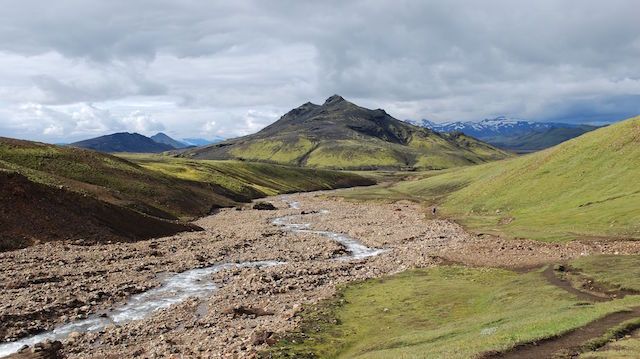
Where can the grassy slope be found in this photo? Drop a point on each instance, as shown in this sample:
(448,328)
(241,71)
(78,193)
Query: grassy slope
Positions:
(585,187)
(108,178)
(249,179)
(424,153)
(444,312)
(163,186)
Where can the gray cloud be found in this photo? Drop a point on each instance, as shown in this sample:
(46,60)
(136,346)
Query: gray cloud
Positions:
(197,67)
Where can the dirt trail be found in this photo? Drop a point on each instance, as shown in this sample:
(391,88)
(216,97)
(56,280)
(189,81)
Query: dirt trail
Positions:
(550,275)
(567,345)
(570,344)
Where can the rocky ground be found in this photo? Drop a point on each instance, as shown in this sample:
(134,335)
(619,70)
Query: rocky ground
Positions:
(49,284)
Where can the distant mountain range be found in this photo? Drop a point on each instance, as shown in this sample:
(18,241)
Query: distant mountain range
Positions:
(339,134)
(135,142)
(511,134)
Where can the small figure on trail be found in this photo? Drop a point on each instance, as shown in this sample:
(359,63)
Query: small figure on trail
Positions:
(433,211)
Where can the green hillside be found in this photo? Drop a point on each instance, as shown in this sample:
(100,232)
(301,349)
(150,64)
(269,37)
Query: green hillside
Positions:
(248,180)
(586,187)
(111,191)
(342,135)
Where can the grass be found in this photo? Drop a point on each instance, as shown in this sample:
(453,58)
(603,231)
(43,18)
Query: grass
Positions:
(586,187)
(277,151)
(162,186)
(249,179)
(442,312)
(620,272)
(627,348)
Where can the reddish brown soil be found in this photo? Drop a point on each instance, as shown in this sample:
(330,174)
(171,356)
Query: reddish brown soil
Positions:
(32,213)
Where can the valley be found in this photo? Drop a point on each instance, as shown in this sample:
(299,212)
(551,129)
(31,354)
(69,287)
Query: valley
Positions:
(457,262)
(309,268)
(319,180)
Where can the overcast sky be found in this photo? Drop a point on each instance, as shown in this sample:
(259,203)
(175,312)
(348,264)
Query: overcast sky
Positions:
(76,69)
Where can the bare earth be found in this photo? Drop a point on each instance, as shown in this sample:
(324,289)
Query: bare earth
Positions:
(49,284)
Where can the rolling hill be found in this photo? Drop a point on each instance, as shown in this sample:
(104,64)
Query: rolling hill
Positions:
(513,135)
(81,194)
(123,142)
(341,135)
(586,187)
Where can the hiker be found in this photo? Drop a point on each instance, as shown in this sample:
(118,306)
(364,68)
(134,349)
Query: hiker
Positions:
(433,211)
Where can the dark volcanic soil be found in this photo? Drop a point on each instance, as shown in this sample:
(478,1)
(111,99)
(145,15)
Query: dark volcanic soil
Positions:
(31,213)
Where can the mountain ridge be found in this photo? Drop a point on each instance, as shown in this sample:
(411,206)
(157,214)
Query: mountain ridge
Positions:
(512,134)
(342,135)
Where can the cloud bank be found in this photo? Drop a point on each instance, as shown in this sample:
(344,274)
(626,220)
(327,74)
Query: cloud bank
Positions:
(73,69)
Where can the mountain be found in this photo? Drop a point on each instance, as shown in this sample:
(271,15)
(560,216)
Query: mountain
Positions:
(339,134)
(50,192)
(123,142)
(163,138)
(584,188)
(201,141)
(510,134)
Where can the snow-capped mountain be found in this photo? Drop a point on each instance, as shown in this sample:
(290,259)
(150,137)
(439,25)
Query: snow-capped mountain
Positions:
(514,134)
(490,127)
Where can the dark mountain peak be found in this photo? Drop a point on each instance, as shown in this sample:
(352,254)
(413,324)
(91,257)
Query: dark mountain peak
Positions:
(302,109)
(335,99)
(123,142)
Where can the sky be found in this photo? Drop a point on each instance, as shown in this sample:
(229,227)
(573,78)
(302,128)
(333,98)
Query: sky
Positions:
(74,69)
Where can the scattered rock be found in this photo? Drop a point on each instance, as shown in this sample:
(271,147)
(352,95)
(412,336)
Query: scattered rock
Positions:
(264,206)
(242,310)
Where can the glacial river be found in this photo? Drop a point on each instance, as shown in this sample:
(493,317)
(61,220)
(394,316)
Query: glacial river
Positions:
(178,287)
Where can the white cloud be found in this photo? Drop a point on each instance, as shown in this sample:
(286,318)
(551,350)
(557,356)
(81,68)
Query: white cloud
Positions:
(230,68)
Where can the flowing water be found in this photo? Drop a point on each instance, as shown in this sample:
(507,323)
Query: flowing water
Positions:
(179,287)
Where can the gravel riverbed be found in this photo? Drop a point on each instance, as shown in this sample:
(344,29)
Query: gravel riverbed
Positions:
(50,284)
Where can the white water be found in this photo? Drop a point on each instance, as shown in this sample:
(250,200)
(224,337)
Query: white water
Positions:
(356,249)
(179,287)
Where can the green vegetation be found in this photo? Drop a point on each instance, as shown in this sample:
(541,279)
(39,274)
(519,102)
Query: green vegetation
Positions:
(341,135)
(585,187)
(248,179)
(627,348)
(619,272)
(162,186)
(277,151)
(356,154)
(443,312)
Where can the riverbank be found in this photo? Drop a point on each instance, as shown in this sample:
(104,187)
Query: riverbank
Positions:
(50,284)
